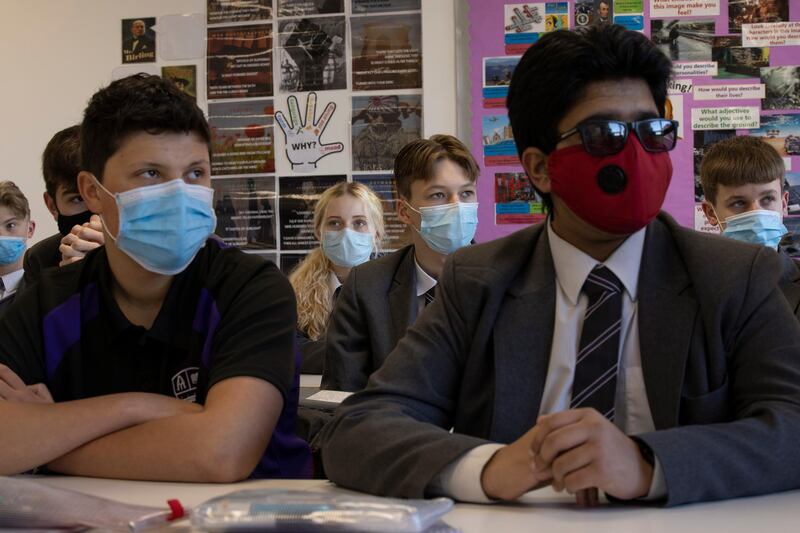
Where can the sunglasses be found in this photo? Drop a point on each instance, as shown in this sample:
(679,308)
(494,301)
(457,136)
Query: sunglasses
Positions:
(608,137)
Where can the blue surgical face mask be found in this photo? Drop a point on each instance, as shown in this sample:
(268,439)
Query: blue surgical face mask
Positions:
(760,226)
(11,249)
(347,248)
(162,227)
(446,228)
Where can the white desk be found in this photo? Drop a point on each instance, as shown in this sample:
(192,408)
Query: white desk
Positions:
(546,512)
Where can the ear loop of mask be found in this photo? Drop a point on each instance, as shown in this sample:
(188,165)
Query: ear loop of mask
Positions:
(102,219)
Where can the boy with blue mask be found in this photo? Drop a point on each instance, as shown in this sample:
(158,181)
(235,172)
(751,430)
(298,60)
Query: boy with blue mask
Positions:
(745,195)
(161,355)
(16,227)
(435,182)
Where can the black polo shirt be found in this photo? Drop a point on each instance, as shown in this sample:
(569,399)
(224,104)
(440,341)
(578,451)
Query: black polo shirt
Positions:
(227,314)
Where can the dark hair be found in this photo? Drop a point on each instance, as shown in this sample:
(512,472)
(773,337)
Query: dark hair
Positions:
(137,103)
(739,161)
(417,161)
(61,161)
(553,74)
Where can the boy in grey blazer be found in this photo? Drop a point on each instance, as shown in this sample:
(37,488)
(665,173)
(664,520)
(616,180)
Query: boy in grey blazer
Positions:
(485,398)
(382,298)
(744,178)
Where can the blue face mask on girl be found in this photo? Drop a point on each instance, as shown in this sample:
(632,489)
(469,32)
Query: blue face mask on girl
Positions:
(760,226)
(347,248)
(446,228)
(162,227)
(11,249)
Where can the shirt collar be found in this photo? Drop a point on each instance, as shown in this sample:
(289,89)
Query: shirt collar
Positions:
(11,281)
(572,265)
(424,281)
(333,282)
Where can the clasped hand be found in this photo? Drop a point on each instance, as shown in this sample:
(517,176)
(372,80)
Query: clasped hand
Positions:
(579,451)
(13,389)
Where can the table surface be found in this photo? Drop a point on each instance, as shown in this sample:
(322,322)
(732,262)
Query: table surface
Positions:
(543,510)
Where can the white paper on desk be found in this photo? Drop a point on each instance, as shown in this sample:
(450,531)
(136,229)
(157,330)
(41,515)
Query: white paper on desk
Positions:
(329,396)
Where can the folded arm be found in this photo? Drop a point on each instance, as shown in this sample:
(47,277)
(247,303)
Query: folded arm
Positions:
(36,431)
(223,442)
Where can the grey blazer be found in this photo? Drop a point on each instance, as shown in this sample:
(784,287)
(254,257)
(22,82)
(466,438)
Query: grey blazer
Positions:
(720,357)
(790,282)
(376,305)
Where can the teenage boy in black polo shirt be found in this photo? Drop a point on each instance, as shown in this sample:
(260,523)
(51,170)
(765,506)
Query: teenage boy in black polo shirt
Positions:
(169,357)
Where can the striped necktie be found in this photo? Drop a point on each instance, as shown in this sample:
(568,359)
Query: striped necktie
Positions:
(430,296)
(595,383)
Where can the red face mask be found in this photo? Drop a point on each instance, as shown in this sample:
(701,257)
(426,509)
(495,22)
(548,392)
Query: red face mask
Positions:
(620,193)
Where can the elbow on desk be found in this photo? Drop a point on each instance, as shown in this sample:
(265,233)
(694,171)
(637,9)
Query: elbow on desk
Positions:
(216,465)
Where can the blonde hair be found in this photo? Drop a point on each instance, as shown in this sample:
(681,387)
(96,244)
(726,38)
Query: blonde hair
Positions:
(310,277)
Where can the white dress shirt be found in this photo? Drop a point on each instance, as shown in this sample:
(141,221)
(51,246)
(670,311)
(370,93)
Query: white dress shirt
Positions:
(461,478)
(333,284)
(424,283)
(10,283)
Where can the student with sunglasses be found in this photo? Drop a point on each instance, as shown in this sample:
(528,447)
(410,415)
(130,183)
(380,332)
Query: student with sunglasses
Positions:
(606,349)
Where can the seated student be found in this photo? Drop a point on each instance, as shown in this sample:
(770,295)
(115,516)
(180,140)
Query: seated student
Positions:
(60,167)
(348,222)
(16,227)
(674,376)
(169,356)
(435,182)
(743,184)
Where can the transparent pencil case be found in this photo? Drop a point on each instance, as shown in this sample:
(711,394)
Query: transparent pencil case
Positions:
(29,504)
(294,510)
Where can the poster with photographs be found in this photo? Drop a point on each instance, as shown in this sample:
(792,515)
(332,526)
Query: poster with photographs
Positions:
(222,11)
(498,141)
(184,76)
(755,11)
(703,141)
(497,73)
(782,132)
(361,7)
(524,22)
(242,137)
(782,85)
(387,52)
(593,12)
(245,209)
(301,8)
(684,40)
(239,62)
(298,195)
(138,40)
(289,262)
(312,54)
(515,200)
(383,186)
(793,188)
(735,61)
(381,126)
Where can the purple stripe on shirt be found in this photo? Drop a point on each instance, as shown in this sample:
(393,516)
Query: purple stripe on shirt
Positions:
(61,327)
(206,321)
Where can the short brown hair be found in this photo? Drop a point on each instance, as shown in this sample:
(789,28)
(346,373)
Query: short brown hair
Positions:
(417,161)
(12,198)
(739,161)
(61,161)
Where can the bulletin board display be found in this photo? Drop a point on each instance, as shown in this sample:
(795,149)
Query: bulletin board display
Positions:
(736,72)
(300,95)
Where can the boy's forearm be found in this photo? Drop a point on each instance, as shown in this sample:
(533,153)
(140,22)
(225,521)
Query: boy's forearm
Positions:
(222,443)
(34,434)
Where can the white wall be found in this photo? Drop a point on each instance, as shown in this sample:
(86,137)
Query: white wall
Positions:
(54,54)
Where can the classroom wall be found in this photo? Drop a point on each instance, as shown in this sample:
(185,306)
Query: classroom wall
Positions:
(54,54)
